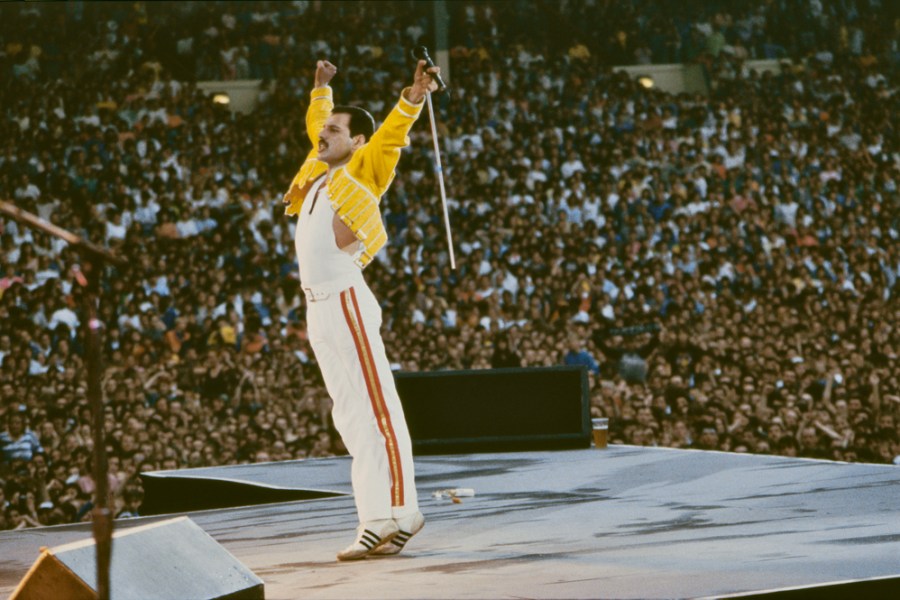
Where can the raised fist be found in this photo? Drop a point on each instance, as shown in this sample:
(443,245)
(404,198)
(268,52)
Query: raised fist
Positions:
(325,71)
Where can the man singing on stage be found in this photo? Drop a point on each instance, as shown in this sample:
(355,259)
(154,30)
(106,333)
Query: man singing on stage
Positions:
(339,230)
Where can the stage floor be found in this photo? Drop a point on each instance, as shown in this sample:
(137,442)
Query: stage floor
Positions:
(624,522)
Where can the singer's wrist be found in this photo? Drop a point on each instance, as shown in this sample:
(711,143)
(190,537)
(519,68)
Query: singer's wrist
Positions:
(414,95)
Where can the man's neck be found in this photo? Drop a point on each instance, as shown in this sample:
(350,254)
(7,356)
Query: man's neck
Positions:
(334,167)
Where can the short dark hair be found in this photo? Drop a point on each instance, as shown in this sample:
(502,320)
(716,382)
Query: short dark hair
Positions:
(361,121)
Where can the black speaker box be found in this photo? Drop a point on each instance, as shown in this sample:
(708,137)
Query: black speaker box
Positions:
(496,410)
(169,560)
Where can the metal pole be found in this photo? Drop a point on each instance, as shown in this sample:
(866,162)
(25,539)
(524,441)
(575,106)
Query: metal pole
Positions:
(102,519)
(94,259)
(441,45)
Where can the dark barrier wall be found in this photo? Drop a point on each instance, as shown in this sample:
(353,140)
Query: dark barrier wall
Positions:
(496,410)
(165,495)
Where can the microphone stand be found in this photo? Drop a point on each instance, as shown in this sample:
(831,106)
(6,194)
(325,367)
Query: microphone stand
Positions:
(439,170)
(421,53)
(89,279)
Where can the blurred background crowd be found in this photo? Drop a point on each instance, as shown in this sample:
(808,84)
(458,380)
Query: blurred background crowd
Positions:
(726,266)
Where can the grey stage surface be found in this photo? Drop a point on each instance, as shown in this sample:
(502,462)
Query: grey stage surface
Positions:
(624,522)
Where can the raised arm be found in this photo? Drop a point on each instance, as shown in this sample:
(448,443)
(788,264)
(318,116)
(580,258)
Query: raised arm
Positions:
(377,161)
(875,396)
(320,103)
(320,107)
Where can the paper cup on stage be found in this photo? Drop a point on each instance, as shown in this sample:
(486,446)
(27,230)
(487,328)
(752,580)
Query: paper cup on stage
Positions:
(601,429)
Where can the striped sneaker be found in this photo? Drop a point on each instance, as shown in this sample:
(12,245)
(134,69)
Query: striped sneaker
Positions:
(370,535)
(409,526)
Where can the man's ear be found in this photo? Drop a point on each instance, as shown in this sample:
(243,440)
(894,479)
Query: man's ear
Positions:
(359,141)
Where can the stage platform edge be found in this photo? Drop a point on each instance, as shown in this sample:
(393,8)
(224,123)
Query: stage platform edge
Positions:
(624,522)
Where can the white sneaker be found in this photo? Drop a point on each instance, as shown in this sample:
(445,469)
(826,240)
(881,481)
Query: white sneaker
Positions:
(408,527)
(369,536)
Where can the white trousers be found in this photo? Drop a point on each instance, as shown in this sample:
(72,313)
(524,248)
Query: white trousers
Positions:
(344,331)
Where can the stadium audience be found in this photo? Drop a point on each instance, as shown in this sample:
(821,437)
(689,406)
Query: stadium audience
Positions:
(757,227)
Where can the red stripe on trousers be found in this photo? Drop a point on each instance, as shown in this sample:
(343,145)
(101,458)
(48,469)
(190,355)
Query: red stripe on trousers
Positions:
(376,396)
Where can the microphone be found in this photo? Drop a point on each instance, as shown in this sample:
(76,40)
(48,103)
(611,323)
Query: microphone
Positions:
(421,53)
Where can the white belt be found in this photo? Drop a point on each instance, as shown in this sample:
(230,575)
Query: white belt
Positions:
(322,291)
(315,295)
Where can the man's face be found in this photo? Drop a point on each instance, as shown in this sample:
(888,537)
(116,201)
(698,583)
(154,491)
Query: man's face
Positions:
(335,144)
(808,437)
(16,426)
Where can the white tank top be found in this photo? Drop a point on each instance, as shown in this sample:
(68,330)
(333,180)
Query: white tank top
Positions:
(320,260)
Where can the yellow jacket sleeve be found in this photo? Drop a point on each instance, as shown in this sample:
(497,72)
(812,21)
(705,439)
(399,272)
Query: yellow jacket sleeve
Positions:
(375,163)
(320,106)
(321,103)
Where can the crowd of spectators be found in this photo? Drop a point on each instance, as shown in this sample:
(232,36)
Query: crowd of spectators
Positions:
(725,266)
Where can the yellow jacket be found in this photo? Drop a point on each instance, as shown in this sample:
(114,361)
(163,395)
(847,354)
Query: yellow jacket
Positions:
(355,189)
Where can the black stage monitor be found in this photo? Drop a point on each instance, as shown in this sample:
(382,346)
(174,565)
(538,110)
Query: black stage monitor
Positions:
(496,410)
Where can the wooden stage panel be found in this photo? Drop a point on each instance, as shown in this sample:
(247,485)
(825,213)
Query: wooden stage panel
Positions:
(624,522)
